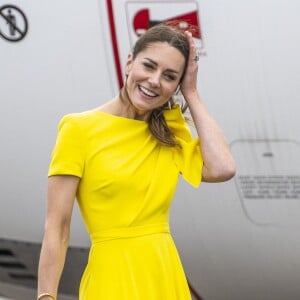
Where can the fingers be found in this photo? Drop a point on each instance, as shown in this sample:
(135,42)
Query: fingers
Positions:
(194,54)
(189,83)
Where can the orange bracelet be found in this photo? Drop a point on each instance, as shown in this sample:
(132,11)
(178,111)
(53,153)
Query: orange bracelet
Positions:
(45,295)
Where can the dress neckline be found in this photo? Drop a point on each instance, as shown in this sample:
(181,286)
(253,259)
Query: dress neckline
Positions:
(170,115)
(120,117)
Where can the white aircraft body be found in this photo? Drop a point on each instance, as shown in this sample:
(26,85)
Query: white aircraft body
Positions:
(238,239)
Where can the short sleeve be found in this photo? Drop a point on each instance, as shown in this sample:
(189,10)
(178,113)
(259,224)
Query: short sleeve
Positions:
(68,154)
(187,156)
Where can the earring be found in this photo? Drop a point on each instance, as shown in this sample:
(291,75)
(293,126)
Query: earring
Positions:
(177,90)
(126,77)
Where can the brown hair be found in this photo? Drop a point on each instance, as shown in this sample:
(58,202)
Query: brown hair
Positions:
(175,38)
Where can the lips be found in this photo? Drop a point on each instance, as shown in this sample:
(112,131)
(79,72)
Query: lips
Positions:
(147,92)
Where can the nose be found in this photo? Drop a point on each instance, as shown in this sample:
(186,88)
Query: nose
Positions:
(154,79)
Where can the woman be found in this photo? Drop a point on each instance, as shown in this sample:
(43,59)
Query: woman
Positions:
(122,162)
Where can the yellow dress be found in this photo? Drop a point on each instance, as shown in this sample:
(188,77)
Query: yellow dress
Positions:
(128,180)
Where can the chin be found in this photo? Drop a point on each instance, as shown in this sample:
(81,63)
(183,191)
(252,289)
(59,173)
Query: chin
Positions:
(142,105)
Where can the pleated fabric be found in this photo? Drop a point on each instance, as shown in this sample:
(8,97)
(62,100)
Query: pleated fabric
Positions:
(127,184)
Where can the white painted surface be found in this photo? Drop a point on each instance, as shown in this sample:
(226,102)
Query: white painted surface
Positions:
(250,83)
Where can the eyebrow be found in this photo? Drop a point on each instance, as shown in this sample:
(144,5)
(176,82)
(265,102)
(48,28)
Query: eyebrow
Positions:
(155,63)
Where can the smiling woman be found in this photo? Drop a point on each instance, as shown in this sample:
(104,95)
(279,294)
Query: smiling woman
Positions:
(162,56)
(153,77)
(122,162)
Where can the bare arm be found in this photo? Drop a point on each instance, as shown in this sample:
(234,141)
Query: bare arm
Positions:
(218,161)
(61,196)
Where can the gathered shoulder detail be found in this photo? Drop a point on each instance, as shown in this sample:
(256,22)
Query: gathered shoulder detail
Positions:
(187,155)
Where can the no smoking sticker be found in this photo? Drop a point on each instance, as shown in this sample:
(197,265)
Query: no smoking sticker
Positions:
(13,23)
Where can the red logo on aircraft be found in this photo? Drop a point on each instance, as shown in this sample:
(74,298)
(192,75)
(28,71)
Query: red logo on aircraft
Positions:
(188,21)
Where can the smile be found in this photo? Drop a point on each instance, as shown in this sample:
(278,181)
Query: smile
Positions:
(147,92)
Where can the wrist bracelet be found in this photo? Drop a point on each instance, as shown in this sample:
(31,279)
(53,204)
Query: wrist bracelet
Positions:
(45,295)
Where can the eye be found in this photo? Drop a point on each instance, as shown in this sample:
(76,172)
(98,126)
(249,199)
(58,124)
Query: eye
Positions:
(148,65)
(170,77)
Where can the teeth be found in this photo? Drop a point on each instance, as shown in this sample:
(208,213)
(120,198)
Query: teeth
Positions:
(147,92)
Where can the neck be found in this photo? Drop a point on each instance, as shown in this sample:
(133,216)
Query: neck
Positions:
(125,108)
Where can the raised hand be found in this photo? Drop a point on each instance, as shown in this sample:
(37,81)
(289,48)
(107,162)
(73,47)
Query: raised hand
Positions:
(189,82)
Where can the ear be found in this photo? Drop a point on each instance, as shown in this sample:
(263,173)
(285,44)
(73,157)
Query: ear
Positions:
(129,63)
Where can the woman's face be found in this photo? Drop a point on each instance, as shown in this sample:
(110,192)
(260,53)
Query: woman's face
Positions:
(153,76)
